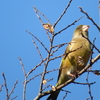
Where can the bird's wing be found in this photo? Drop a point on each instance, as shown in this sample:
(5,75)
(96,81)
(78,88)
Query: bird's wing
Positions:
(61,64)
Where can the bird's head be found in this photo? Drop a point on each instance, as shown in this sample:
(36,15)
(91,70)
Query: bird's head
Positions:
(81,29)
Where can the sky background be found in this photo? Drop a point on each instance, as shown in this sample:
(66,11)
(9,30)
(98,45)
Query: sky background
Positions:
(16,16)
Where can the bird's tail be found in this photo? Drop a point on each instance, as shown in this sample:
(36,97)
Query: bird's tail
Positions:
(53,95)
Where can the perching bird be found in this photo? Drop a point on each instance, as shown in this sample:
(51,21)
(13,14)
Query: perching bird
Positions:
(75,59)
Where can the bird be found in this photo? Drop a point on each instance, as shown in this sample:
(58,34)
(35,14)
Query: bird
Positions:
(75,58)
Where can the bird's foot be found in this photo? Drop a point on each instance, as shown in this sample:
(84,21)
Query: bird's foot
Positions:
(72,75)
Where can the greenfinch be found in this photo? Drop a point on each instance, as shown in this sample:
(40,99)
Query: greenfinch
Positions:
(75,57)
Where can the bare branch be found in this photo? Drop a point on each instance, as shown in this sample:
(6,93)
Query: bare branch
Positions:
(36,66)
(48,35)
(65,54)
(12,91)
(60,45)
(38,40)
(89,87)
(25,76)
(37,48)
(46,87)
(93,71)
(46,64)
(62,13)
(91,44)
(24,88)
(89,18)
(5,84)
(92,48)
(1,87)
(14,98)
(41,74)
(36,10)
(57,47)
(24,72)
(84,83)
(68,26)
(66,92)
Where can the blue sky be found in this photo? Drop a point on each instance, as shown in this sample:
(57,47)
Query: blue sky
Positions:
(16,16)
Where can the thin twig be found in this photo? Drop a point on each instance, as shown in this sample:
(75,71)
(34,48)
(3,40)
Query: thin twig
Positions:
(24,88)
(5,84)
(46,64)
(1,87)
(57,47)
(89,87)
(22,65)
(68,26)
(25,76)
(65,54)
(92,50)
(65,96)
(89,18)
(93,71)
(38,40)
(41,74)
(91,44)
(66,92)
(46,87)
(37,48)
(36,66)
(36,10)
(62,13)
(48,35)
(12,91)
(14,98)
(60,45)
(84,83)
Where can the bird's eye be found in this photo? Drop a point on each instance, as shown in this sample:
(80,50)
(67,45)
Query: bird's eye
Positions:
(78,28)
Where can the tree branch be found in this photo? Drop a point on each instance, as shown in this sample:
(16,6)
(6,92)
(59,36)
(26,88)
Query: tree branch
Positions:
(62,13)
(68,26)
(89,18)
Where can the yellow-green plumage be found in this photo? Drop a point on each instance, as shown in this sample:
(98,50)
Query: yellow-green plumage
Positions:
(76,57)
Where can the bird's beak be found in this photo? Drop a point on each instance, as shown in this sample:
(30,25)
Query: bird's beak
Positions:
(85,28)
